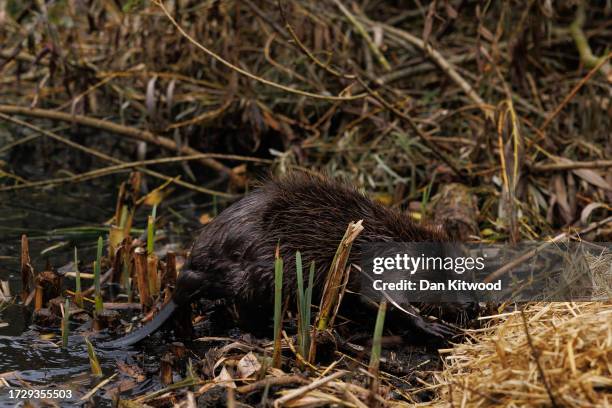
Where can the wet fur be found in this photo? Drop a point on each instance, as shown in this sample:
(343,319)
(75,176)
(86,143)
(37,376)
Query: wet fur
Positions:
(233,256)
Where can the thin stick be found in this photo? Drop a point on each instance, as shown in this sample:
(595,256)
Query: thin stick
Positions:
(573,92)
(97,387)
(536,356)
(303,390)
(111,159)
(116,128)
(124,166)
(531,253)
(571,165)
(270,381)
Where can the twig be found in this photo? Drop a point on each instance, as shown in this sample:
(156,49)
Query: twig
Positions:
(206,116)
(111,159)
(247,73)
(187,382)
(291,395)
(536,356)
(23,140)
(123,166)
(134,133)
(97,387)
(533,252)
(573,92)
(571,165)
(586,55)
(271,381)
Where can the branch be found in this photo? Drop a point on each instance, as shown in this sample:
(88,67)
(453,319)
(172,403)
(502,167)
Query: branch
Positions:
(131,132)
(111,159)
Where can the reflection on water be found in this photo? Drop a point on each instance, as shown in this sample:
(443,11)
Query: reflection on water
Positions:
(42,364)
(51,219)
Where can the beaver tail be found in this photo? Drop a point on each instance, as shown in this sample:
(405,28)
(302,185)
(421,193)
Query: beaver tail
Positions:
(146,330)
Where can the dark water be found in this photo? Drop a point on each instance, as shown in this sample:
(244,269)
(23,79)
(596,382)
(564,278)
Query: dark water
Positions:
(53,221)
(56,221)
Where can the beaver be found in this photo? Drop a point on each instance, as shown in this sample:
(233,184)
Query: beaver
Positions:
(233,256)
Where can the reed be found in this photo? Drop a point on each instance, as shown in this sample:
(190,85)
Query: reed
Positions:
(97,290)
(278,293)
(140,266)
(94,363)
(27,271)
(374,365)
(152,261)
(78,294)
(304,305)
(66,323)
(151,231)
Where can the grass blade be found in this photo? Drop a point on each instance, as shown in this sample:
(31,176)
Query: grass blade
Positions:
(278,293)
(94,363)
(66,323)
(376,350)
(302,322)
(78,295)
(98,292)
(151,231)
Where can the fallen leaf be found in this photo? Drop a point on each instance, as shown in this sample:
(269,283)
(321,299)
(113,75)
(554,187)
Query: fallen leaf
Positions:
(225,379)
(248,365)
(593,178)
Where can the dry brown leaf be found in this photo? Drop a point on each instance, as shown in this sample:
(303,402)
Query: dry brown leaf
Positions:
(590,176)
(225,379)
(248,365)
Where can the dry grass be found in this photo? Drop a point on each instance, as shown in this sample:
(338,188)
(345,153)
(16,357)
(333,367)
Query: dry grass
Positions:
(559,352)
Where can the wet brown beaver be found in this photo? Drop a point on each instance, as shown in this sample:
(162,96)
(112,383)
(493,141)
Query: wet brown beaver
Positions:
(233,256)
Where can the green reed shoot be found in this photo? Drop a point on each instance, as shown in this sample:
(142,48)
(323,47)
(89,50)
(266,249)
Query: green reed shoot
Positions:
(124,216)
(278,293)
(427,193)
(215,206)
(66,323)
(308,300)
(98,292)
(78,295)
(377,341)
(94,363)
(302,325)
(304,304)
(151,230)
